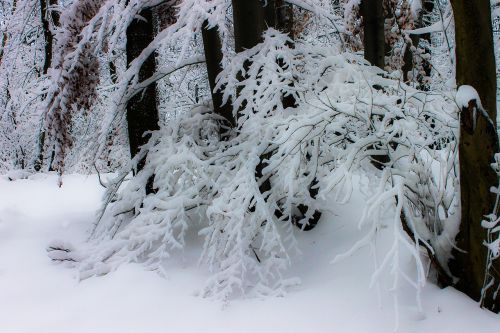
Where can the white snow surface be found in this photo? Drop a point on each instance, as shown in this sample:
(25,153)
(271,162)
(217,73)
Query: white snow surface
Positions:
(38,296)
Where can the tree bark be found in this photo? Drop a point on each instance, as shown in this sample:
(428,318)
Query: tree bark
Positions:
(47,63)
(213,57)
(248,20)
(4,37)
(372,12)
(279,15)
(47,33)
(284,17)
(142,112)
(475,66)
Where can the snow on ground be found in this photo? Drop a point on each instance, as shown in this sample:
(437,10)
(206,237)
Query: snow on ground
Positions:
(38,296)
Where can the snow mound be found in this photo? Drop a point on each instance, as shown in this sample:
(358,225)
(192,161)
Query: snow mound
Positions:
(465,94)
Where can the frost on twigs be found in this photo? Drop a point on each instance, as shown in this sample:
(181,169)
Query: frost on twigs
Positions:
(92,34)
(74,75)
(492,224)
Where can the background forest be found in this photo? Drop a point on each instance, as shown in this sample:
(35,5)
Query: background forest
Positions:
(245,124)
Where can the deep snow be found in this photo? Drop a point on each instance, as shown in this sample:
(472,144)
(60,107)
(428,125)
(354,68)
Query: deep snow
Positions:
(38,296)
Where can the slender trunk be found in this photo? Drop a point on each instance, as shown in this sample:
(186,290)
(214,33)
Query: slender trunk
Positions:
(270,17)
(213,58)
(279,15)
(372,12)
(142,112)
(47,33)
(47,63)
(284,17)
(2,44)
(475,66)
(248,18)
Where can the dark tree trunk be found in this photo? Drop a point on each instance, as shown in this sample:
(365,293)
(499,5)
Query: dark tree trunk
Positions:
(475,66)
(372,12)
(270,14)
(142,112)
(2,44)
(47,62)
(248,20)
(47,33)
(279,15)
(284,17)
(213,58)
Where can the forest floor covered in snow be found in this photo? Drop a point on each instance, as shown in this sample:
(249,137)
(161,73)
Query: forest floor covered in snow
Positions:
(38,296)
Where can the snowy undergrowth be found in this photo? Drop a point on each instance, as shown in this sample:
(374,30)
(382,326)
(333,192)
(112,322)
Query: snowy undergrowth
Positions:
(348,113)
